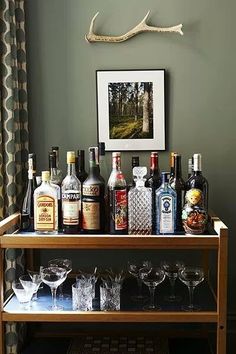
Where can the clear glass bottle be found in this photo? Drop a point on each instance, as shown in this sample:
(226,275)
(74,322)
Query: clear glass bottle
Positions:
(45,207)
(59,172)
(117,197)
(71,198)
(140,205)
(27,211)
(165,207)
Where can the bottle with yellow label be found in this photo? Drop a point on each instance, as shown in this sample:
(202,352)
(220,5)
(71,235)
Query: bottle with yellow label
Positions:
(45,207)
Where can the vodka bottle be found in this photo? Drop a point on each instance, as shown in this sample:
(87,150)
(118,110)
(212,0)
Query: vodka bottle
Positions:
(140,205)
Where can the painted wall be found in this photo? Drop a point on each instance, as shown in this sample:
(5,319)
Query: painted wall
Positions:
(201,82)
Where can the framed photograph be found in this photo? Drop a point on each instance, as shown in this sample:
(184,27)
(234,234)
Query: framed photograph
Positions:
(131,109)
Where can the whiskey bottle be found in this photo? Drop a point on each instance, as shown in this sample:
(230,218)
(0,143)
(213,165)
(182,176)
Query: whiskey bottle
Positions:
(71,196)
(80,167)
(93,203)
(45,206)
(58,171)
(197,180)
(165,207)
(154,182)
(27,219)
(117,198)
(140,205)
(177,183)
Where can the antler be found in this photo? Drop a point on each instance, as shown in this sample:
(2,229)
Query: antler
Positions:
(141,27)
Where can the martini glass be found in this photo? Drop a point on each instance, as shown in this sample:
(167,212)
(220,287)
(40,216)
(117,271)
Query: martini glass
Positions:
(191,277)
(53,277)
(23,294)
(67,265)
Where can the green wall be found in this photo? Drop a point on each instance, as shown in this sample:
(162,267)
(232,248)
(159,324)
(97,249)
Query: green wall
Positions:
(201,81)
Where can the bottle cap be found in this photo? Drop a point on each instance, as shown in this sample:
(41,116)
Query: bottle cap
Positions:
(139,173)
(135,161)
(70,157)
(116,154)
(154,153)
(32,162)
(102,148)
(55,148)
(45,176)
(197,162)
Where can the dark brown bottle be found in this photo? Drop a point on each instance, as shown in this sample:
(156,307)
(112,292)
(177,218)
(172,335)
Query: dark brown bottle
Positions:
(197,180)
(93,203)
(117,198)
(154,182)
(172,154)
(134,163)
(55,181)
(178,184)
(80,167)
(27,222)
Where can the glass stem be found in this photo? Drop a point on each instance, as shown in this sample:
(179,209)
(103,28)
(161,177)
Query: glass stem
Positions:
(54,298)
(191,290)
(139,281)
(152,294)
(61,291)
(172,288)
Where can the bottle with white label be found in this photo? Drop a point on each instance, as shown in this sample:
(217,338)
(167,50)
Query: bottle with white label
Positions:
(71,194)
(45,207)
(165,207)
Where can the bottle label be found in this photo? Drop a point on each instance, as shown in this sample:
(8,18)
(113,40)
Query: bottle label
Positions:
(70,207)
(91,215)
(45,213)
(120,209)
(92,190)
(167,215)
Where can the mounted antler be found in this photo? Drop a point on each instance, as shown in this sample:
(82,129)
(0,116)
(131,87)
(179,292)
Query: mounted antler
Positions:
(141,27)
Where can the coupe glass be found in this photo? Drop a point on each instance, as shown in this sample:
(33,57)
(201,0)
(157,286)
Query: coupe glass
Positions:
(53,277)
(36,278)
(192,277)
(171,270)
(133,269)
(67,265)
(23,294)
(152,278)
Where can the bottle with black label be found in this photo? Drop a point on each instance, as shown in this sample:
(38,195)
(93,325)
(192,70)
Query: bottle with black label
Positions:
(27,220)
(93,203)
(118,199)
(71,194)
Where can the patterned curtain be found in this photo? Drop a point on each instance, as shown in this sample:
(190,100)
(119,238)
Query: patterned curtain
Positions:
(13,135)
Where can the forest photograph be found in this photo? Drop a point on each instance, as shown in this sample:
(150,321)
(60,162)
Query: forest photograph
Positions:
(130,110)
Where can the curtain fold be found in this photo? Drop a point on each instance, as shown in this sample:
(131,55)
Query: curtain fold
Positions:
(13,136)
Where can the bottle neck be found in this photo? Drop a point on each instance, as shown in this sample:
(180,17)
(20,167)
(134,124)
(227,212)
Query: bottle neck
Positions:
(71,169)
(81,164)
(197,164)
(116,163)
(177,167)
(94,168)
(154,168)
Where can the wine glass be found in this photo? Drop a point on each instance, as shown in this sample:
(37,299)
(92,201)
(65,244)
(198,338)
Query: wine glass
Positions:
(37,279)
(53,277)
(67,265)
(171,271)
(152,278)
(192,277)
(28,284)
(133,269)
(24,295)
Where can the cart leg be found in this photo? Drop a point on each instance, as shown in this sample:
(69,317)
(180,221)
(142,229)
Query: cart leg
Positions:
(222,292)
(2,327)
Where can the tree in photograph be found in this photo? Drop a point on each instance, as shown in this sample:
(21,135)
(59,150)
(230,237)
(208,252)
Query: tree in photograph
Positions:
(146,118)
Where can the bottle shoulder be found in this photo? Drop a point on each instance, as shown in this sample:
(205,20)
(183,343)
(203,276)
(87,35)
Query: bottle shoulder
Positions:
(70,182)
(46,189)
(116,179)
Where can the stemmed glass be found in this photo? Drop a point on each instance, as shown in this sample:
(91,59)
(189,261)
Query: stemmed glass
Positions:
(36,279)
(28,284)
(152,278)
(133,269)
(192,277)
(23,294)
(67,265)
(171,271)
(53,277)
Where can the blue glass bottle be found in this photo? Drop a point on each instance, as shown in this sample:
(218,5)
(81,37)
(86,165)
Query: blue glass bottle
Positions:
(165,207)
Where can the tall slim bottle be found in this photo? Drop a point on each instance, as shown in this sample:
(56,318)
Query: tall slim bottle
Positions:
(172,154)
(71,198)
(134,163)
(93,203)
(190,167)
(118,199)
(197,180)
(58,171)
(27,217)
(56,183)
(154,182)
(177,183)
(80,167)
(165,207)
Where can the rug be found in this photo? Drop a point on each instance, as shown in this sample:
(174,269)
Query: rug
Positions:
(119,345)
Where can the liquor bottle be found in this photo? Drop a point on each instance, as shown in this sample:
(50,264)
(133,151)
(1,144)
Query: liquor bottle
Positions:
(55,182)
(27,220)
(140,205)
(197,180)
(45,206)
(71,198)
(93,203)
(165,207)
(154,182)
(80,167)
(134,163)
(118,199)
(172,154)
(102,161)
(190,167)
(59,172)
(177,183)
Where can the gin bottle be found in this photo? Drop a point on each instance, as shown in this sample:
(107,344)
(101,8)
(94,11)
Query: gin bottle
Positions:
(165,207)
(140,205)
